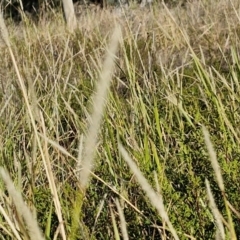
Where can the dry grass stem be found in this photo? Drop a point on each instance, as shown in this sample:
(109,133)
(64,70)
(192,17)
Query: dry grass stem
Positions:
(50,175)
(156,199)
(31,223)
(10,223)
(33,122)
(213,159)
(99,101)
(215,211)
(122,220)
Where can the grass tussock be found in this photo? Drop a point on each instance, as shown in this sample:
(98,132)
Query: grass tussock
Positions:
(77,109)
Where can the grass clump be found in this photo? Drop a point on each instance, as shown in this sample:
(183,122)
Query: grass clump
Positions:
(174,75)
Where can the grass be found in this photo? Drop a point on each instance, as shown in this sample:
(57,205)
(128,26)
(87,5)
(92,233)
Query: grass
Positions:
(129,133)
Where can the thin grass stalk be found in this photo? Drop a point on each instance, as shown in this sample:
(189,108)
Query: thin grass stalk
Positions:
(237,213)
(213,159)
(10,223)
(86,159)
(100,208)
(31,223)
(218,175)
(115,229)
(51,178)
(122,221)
(4,229)
(156,199)
(4,34)
(99,101)
(215,211)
